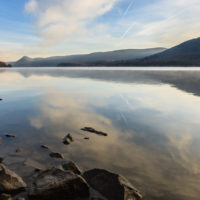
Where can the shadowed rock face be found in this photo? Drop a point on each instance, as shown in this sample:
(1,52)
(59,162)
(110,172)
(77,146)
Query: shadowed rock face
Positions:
(56,184)
(9,181)
(112,186)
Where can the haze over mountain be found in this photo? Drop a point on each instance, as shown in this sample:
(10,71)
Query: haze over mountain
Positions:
(110,56)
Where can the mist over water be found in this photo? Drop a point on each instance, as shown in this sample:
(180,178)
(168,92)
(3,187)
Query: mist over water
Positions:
(151,117)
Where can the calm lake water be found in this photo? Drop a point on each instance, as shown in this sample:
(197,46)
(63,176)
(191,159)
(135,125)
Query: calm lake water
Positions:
(152,119)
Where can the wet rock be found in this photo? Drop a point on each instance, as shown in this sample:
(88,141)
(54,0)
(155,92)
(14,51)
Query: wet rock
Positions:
(44,147)
(56,155)
(71,166)
(1,99)
(57,184)
(1,159)
(10,136)
(92,130)
(68,139)
(10,182)
(18,150)
(110,185)
(5,196)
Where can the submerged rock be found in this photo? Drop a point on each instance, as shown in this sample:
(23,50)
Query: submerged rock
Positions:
(92,130)
(68,139)
(57,184)
(1,159)
(71,166)
(18,150)
(56,155)
(44,147)
(10,181)
(110,185)
(10,136)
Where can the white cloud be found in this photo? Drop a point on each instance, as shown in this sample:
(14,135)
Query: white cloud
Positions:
(59,19)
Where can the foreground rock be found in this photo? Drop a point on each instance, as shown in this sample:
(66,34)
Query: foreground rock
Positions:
(57,184)
(92,130)
(67,139)
(110,185)
(9,181)
(71,166)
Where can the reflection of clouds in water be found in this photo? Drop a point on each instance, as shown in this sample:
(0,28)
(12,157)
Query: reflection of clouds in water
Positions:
(144,148)
(153,129)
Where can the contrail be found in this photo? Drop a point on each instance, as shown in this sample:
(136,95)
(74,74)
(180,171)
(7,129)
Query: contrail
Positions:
(131,26)
(128,8)
(126,32)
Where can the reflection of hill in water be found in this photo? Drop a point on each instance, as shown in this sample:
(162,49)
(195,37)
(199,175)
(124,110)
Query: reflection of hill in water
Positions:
(187,81)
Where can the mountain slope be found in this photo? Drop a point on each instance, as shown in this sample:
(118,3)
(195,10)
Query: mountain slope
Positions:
(118,55)
(185,54)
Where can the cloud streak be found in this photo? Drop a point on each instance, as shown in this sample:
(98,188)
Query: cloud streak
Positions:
(58,19)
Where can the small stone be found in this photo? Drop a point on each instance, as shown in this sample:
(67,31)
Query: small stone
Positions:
(5,196)
(1,99)
(68,139)
(1,159)
(56,155)
(92,130)
(0,140)
(10,136)
(71,166)
(44,147)
(86,138)
(18,150)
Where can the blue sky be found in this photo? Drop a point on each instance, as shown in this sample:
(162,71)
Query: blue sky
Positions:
(41,28)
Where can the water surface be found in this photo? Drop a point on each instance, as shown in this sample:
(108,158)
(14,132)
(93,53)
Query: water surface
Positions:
(152,119)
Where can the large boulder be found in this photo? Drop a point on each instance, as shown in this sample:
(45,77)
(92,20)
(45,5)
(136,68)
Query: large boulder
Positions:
(110,185)
(10,181)
(55,184)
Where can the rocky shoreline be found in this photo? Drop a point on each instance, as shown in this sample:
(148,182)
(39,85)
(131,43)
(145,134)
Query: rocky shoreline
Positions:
(66,182)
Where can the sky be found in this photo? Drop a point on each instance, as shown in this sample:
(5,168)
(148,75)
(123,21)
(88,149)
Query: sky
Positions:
(42,28)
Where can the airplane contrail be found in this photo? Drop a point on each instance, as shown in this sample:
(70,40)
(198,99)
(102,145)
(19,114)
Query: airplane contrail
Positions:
(128,8)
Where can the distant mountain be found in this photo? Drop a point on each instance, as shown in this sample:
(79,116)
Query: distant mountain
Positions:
(88,59)
(185,54)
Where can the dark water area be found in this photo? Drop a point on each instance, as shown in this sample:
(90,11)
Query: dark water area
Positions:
(152,118)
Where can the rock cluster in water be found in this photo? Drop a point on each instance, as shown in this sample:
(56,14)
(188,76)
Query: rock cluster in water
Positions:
(67,182)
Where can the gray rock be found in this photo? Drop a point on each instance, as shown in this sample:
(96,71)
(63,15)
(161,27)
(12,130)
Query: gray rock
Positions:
(10,181)
(56,155)
(10,136)
(67,139)
(57,184)
(71,166)
(110,185)
(44,147)
(5,196)
(92,130)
